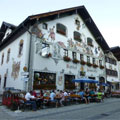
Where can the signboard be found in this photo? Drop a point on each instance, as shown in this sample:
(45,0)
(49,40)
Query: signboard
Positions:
(24,73)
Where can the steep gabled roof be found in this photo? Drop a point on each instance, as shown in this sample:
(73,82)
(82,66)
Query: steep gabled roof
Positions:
(4,27)
(81,10)
(116,51)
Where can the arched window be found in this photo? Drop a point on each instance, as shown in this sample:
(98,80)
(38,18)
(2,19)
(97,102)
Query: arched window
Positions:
(77,36)
(2,60)
(61,29)
(90,42)
(21,47)
(8,55)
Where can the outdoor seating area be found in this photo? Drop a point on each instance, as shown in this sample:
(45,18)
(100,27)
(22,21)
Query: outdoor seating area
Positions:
(15,99)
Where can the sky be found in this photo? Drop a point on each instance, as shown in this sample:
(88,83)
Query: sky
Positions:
(105,13)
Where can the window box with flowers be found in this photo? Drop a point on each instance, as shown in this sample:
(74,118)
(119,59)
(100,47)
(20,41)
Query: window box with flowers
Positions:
(82,62)
(95,66)
(89,64)
(75,61)
(66,58)
(101,67)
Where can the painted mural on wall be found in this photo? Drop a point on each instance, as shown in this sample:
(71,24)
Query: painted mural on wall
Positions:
(56,50)
(51,34)
(60,80)
(35,30)
(38,44)
(15,69)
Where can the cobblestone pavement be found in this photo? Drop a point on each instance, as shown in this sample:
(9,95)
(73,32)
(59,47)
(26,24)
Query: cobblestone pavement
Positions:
(107,110)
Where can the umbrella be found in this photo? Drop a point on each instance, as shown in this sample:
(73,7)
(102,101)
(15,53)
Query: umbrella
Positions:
(103,84)
(85,80)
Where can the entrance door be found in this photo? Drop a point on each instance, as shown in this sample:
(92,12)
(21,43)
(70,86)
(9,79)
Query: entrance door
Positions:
(68,81)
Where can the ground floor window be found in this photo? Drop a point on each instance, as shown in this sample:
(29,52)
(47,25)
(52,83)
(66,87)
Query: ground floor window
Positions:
(117,86)
(44,80)
(68,81)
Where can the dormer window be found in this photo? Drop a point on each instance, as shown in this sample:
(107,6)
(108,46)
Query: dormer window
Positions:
(89,42)
(20,47)
(77,36)
(61,29)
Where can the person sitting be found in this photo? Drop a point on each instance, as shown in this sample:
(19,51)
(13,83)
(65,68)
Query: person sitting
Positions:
(99,96)
(92,94)
(30,99)
(87,95)
(81,93)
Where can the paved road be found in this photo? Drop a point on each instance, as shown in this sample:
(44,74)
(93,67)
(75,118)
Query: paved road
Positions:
(107,110)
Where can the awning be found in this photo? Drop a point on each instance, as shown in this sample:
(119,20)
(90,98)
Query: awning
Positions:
(85,80)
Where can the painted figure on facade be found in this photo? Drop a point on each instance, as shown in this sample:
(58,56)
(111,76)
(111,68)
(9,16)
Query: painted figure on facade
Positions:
(52,33)
(35,30)
(15,69)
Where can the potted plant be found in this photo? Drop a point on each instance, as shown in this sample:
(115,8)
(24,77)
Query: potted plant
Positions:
(66,58)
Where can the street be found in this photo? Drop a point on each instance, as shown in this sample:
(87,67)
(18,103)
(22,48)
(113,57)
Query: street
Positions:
(107,110)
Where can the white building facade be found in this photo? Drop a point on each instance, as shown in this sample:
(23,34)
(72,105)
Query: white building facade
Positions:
(47,51)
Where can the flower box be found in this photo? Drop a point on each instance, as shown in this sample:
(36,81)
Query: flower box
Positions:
(75,61)
(66,58)
(89,64)
(49,55)
(82,62)
(94,65)
(101,67)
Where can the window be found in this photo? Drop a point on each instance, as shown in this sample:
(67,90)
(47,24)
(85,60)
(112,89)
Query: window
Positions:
(111,72)
(89,42)
(5,80)
(77,36)
(2,59)
(65,52)
(74,55)
(8,55)
(44,26)
(61,29)
(45,49)
(21,47)
(81,57)
(68,81)
(100,62)
(88,59)
(94,61)
(44,80)
(0,80)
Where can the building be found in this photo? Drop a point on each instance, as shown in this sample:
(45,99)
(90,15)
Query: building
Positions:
(47,51)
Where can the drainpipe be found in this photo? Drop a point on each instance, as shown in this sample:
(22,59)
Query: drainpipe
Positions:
(28,85)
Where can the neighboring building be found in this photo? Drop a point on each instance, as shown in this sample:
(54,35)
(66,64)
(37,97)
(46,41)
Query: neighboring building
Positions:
(52,49)
(116,51)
